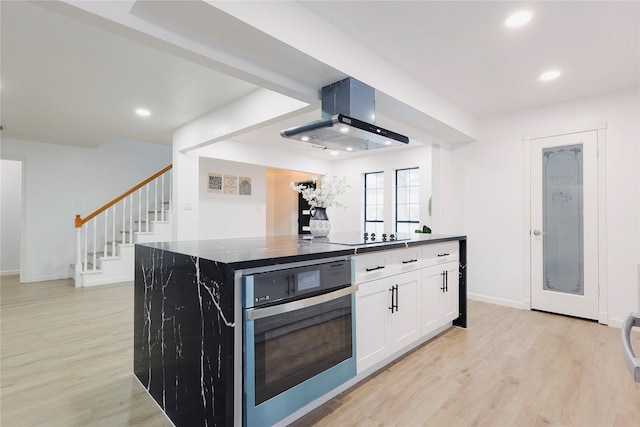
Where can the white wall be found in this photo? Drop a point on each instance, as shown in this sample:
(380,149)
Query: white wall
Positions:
(224,216)
(491,197)
(10,215)
(387,161)
(186,176)
(220,216)
(61,181)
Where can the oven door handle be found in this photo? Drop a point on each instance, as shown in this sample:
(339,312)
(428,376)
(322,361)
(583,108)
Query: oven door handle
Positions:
(259,313)
(633,362)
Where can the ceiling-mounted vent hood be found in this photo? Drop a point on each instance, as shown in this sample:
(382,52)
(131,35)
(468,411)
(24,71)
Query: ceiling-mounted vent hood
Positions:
(348,114)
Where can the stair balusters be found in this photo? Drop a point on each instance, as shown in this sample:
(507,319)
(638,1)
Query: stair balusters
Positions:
(87,241)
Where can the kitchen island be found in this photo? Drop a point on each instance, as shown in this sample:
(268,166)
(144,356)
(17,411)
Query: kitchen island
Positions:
(188,314)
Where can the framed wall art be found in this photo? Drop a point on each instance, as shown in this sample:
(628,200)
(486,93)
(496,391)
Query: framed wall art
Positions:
(244,186)
(230,184)
(215,183)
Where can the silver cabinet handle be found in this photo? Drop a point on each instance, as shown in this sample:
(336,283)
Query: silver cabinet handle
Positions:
(633,362)
(538,233)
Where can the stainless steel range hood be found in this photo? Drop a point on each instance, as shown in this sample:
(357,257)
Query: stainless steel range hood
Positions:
(348,114)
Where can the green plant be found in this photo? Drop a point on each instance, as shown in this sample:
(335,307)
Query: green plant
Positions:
(425,230)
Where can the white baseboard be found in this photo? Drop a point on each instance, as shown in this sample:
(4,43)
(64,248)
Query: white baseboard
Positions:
(616,323)
(498,301)
(46,278)
(613,322)
(9,272)
(108,281)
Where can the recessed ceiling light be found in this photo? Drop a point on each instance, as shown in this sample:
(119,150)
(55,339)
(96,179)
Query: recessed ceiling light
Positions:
(549,75)
(387,142)
(334,153)
(305,138)
(143,112)
(344,129)
(518,19)
(349,148)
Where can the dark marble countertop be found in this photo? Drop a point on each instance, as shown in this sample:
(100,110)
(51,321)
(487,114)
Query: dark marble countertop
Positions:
(263,251)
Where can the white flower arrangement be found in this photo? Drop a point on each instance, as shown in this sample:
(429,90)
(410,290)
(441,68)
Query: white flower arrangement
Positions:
(325,193)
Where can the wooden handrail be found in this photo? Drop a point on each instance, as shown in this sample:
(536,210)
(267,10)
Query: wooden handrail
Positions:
(79,222)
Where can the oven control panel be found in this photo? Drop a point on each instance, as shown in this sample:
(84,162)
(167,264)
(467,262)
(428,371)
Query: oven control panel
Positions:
(290,284)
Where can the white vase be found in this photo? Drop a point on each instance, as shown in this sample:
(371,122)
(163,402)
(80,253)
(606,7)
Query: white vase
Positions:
(319,223)
(320,227)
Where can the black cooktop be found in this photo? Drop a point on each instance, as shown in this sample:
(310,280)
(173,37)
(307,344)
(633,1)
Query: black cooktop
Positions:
(357,239)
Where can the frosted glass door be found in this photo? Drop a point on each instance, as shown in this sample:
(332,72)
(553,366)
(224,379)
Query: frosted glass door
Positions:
(564,224)
(562,221)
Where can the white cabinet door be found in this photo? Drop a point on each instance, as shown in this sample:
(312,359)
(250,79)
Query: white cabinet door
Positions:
(372,307)
(440,290)
(431,298)
(405,318)
(450,306)
(379,332)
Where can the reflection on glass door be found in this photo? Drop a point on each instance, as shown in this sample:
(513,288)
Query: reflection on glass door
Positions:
(563,225)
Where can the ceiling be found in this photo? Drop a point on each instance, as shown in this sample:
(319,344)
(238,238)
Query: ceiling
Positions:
(463,50)
(69,78)
(68,82)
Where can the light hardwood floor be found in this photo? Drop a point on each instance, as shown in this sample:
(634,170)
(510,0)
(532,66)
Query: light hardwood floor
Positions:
(67,361)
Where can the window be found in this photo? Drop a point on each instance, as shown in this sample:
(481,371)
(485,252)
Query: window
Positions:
(374,202)
(407,200)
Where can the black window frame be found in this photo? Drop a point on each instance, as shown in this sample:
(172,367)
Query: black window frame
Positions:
(377,221)
(397,221)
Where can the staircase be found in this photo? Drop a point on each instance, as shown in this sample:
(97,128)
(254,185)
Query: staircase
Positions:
(106,238)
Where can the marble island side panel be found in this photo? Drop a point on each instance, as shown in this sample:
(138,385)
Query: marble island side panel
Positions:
(184,335)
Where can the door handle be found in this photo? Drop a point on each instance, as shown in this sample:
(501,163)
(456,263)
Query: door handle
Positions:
(394,298)
(538,233)
(393,306)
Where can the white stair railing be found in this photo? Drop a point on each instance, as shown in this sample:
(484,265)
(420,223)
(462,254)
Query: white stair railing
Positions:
(87,237)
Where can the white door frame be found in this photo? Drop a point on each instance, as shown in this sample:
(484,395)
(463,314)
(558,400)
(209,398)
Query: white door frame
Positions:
(600,129)
(23,198)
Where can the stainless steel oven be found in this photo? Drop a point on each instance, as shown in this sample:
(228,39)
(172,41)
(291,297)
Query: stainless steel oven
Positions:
(299,338)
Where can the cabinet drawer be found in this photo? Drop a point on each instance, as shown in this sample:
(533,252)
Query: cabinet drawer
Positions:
(407,259)
(439,253)
(372,266)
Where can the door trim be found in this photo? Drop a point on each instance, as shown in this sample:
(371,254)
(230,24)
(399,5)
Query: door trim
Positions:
(22,273)
(603,312)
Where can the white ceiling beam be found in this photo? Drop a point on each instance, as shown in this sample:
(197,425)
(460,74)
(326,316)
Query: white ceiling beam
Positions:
(297,26)
(119,17)
(257,109)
